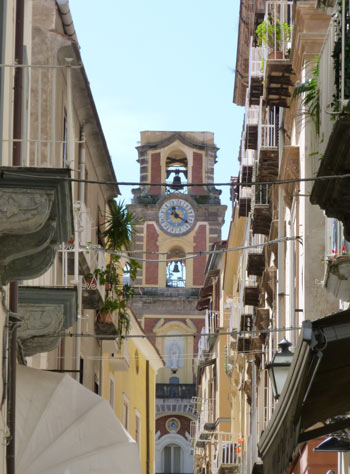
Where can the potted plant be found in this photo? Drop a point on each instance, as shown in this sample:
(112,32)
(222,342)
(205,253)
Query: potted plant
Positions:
(119,233)
(311,96)
(90,281)
(274,34)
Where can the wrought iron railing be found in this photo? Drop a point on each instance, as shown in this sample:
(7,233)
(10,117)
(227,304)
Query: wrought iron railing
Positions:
(175,283)
(182,390)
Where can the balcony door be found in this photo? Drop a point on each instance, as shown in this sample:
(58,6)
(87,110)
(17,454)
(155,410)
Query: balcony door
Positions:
(172,459)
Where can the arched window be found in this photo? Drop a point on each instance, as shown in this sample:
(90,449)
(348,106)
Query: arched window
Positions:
(176,173)
(172,459)
(176,269)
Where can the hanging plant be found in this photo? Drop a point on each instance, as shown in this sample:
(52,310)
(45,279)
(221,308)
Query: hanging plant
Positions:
(311,96)
(272,33)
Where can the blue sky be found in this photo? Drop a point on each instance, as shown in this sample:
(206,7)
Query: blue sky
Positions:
(161,65)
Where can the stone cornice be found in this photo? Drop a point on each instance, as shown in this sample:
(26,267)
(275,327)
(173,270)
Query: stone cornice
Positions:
(35,217)
(181,138)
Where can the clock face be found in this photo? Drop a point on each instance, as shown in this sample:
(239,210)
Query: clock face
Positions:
(176,216)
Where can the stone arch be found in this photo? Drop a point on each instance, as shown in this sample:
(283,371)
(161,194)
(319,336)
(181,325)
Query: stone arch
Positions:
(182,443)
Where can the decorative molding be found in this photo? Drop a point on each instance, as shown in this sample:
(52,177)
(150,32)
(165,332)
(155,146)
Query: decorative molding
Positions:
(35,216)
(40,318)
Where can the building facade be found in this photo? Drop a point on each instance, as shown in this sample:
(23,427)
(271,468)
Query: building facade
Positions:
(177,223)
(50,134)
(292,86)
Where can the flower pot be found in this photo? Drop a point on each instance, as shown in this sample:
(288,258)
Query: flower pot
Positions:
(276,55)
(105,317)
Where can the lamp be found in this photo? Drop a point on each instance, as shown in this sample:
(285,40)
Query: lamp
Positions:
(279,366)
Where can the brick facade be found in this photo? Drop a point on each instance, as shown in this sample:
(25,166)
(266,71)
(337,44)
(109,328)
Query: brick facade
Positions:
(184,421)
(156,174)
(197,174)
(199,263)
(151,274)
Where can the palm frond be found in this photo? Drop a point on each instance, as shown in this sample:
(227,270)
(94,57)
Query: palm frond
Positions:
(119,225)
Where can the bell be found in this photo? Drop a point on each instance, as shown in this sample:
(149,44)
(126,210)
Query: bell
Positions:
(176,181)
(176,268)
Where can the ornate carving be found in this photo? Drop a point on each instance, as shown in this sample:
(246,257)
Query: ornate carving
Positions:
(38,321)
(24,211)
(35,215)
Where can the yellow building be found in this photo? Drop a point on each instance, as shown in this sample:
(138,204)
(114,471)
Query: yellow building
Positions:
(129,379)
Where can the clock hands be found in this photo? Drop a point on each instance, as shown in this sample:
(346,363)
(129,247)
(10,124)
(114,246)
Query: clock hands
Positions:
(177,216)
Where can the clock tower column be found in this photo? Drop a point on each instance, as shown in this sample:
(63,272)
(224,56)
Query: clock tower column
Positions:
(177,224)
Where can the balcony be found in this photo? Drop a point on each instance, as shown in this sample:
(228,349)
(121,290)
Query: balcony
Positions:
(36,216)
(228,456)
(46,313)
(277,44)
(337,277)
(244,341)
(333,195)
(202,429)
(262,213)
(244,199)
(118,357)
(251,125)
(255,87)
(251,296)
(267,169)
(182,390)
(256,257)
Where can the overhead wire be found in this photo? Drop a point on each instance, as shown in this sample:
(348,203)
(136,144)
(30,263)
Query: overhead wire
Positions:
(157,336)
(193,255)
(6,172)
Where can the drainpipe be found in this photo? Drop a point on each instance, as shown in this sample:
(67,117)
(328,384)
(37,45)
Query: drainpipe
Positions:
(77,239)
(13,303)
(147,420)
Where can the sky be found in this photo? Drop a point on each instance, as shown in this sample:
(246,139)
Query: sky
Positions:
(161,65)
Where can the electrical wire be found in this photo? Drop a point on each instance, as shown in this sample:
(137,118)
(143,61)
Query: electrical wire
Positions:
(3,173)
(157,336)
(192,256)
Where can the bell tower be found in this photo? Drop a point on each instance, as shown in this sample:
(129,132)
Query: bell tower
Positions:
(177,224)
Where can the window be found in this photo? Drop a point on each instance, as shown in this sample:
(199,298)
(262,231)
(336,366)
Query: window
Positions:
(125,412)
(111,391)
(81,371)
(138,428)
(176,269)
(172,459)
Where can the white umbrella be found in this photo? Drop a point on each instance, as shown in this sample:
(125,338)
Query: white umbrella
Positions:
(64,428)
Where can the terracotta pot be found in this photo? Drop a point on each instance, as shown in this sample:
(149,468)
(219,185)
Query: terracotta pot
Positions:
(276,55)
(106,317)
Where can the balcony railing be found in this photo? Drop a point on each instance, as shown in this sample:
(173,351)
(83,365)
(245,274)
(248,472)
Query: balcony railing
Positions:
(38,143)
(268,127)
(228,454)
(175,283)
(255,62)
(182,390)
(278,37)
(206,415)
(213,321)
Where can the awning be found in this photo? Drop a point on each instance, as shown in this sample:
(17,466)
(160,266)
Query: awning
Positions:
(317,389)
(62,427)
